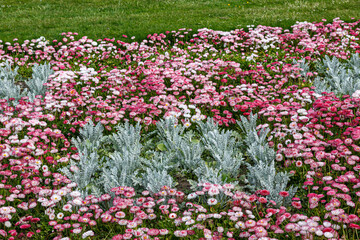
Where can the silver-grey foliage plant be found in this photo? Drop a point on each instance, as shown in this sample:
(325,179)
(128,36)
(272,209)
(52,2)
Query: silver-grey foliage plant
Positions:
(84,171)
(262,174)
(90,140)
(170,133)
(127,165)
(156,172)
(153,180)
(40,76)
(186,153)
(127,138)
(208,126)
(224,150)
(189,155)
(206,174)
(303,65)
(91,137)
(340,78)
(8,88)
(123,165)
(120,170)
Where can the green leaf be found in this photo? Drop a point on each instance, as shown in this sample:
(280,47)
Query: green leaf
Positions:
(225,177)
(194,140)
(161,147)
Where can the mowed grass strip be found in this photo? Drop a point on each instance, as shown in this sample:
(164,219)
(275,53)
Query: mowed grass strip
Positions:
(29,19)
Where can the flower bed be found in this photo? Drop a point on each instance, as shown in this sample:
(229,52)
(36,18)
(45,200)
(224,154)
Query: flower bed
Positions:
(259,132)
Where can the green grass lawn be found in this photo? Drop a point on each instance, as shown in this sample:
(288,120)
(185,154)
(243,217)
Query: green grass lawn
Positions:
(28,19)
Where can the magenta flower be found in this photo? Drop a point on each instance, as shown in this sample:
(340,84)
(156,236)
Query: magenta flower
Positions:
(264,192)
(355,134)
(284,194)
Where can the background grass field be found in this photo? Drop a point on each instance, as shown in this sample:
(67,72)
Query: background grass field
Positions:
(28,19)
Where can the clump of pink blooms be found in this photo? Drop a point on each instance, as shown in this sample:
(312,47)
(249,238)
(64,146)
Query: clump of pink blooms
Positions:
(222,75)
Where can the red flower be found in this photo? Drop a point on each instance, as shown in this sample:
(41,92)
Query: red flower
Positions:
(25,226)
(264,192)
(30,234)
(296,205)
(284,194)
(352,225)
(3,233)
(356,133)
(117,237)
(153,232)
(262,200)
